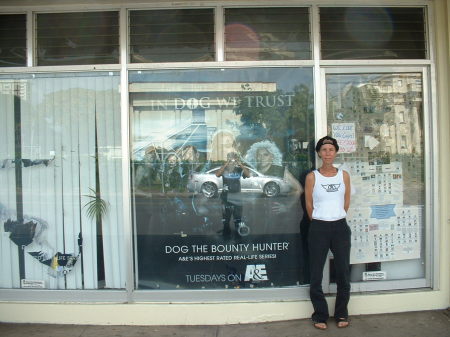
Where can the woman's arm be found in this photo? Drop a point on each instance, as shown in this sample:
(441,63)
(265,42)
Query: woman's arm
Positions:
(245,170)
(348,189)
(309,187)
(293,197)
(219,172)
(295,185)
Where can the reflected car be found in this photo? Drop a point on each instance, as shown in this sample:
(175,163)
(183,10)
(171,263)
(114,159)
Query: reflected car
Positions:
(210,185)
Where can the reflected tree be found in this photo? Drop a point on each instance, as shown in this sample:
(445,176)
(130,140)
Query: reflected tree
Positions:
(282,116)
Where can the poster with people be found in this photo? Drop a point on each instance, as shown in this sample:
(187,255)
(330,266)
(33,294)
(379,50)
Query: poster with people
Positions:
(217,168)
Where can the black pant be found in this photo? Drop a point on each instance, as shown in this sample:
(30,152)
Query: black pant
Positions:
(230,209)
(336,236)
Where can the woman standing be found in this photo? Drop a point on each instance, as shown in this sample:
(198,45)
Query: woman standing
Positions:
(327,194)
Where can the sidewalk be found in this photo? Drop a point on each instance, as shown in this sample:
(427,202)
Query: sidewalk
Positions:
(411,324)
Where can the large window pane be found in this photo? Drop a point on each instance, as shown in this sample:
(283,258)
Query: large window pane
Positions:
(182,35)
(60,182)
(378,120)
(372,33)
(77,38)
(13,40)
(267,34)
(193,228)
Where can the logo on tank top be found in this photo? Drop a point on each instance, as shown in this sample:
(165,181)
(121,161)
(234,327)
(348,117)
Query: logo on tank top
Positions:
(331,187)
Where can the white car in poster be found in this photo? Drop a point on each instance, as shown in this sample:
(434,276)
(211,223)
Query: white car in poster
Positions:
(210,185)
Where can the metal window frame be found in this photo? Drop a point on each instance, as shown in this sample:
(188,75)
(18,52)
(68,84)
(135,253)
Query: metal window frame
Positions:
(217,38)
(431,216)
(319,66)
(27,37)
(32,31)
(284,5)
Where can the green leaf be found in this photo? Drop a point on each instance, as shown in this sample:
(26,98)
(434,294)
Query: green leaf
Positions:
(96,208)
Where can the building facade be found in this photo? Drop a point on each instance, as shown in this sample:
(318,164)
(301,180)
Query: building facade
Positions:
(117,115)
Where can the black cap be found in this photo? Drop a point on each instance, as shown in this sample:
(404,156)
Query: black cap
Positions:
(327,140)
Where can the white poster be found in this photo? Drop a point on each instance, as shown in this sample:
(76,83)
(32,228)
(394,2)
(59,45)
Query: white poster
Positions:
(345,136)
(383,228)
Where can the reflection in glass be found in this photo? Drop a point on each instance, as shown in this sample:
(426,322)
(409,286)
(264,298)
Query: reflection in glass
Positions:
(174,35)
(13,40)
(217,165)
(372,33)
(77,38)
(275,33)
(231,174)
(386,161)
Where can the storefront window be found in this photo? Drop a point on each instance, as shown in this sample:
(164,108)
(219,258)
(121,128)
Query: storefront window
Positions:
(77,38)
(378,121)
(175,35)
(60,182)
(372,33)
(275,33)
(218,162)
(13,40)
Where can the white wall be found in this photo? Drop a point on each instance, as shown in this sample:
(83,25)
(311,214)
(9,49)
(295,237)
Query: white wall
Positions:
(209,314)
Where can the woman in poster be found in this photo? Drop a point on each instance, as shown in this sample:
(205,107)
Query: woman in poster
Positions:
(223,142)
(327,194)
(266,158)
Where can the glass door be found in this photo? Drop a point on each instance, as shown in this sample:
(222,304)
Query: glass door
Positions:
(379,119)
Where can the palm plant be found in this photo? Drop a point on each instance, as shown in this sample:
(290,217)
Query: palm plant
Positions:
(96,207)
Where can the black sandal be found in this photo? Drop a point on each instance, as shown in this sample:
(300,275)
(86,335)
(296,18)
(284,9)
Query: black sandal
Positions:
(339,322)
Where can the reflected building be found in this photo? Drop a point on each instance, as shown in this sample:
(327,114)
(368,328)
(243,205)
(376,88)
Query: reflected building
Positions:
(394,104)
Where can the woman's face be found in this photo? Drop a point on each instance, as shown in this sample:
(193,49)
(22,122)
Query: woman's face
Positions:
(227,141)
(264,158)
(172,160)
(327,153)
(151,155)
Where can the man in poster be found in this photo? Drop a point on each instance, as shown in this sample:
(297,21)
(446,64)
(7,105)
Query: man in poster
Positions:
(231,173)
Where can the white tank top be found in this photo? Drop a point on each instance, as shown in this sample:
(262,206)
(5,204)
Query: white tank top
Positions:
(329,197)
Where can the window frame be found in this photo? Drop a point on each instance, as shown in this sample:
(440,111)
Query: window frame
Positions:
(128,31)
(34,36)
(311,32)
(319,66)
(431,216)
(26,36)
(427,45)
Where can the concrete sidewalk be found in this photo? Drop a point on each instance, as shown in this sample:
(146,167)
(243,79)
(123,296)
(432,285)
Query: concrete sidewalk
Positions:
(411,324)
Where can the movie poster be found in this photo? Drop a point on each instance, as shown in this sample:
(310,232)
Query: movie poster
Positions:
(218,164)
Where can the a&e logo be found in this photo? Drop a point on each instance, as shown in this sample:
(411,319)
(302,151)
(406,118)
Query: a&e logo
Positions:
(256,273)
